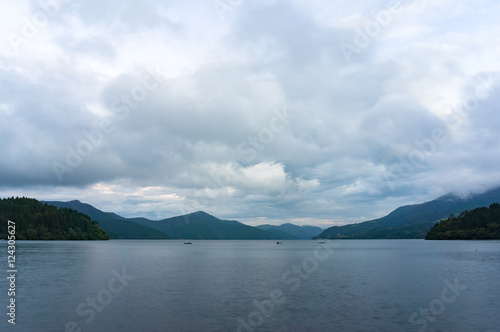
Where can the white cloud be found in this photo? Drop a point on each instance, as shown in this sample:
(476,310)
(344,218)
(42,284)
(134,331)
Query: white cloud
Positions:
(207,137)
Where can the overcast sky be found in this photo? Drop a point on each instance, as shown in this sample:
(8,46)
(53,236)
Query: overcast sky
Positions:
(311,112)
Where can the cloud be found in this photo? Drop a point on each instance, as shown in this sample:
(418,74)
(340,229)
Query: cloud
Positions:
(165,108)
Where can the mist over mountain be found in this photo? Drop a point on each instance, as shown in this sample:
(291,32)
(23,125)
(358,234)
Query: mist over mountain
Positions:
(479,224)
(412,221)
(405,222)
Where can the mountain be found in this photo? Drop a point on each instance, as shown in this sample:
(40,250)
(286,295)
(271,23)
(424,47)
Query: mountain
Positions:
(116,226)
(201,225)
(411,221)
(291,231)
(197,225)
(36,221)
(479,224)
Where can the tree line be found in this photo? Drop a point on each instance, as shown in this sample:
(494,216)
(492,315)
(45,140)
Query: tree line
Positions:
(479,224)
(37,221)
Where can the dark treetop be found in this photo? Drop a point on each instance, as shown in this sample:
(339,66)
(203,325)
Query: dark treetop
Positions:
(37,221)
(479,224)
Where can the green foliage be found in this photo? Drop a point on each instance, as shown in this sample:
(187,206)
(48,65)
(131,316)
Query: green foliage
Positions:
(37,221)
(115,226)
(290,231)
(198,225)
(479,224)
(201,225)
(125,229)
(411,221)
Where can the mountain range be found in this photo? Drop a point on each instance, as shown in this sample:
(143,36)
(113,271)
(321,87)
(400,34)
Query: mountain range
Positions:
(406,222)
(411,221)
(197,225)
(116,227)
(28,219)
(291,231)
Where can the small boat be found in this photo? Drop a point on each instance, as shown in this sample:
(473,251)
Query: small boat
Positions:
(321,242)
(188,243)
(279,242)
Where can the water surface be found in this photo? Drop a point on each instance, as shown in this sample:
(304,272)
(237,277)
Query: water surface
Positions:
(355,285)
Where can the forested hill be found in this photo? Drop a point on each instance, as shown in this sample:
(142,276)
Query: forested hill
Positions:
(479,224)
(37,221)
(116,227)
(412,221)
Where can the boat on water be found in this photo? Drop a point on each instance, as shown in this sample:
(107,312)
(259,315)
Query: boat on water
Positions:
(188,243)
(279,242)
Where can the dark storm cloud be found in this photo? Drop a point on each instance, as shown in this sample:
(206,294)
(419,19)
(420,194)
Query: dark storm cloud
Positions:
(163,108)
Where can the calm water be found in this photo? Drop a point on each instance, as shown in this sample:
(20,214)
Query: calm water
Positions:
(359,285)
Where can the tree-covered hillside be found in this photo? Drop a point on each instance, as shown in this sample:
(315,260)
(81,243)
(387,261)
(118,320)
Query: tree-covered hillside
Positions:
(116,226)
(411,221)
(37,221)
(291,231)
(479,224)
(201,225)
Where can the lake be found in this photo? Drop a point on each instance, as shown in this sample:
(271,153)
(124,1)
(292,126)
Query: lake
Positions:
(346,285)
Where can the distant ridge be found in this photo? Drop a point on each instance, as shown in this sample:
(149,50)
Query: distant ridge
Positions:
(37,221)
(411,221)
(116,227)
(291,231)
(196,225)
(201,225)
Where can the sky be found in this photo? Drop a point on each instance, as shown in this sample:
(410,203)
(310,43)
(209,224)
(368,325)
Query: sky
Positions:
(265,111)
